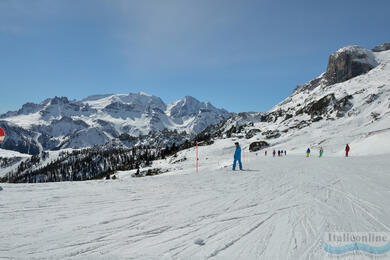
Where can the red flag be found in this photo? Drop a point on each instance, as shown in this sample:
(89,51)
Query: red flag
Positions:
(2,134)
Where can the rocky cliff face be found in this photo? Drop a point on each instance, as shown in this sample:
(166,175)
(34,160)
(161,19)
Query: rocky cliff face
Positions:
(344,64)
(348,63)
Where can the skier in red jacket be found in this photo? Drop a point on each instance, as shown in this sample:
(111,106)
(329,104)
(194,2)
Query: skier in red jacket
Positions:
(347,150)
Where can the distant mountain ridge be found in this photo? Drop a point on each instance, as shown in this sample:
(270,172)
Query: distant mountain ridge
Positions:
(59,123)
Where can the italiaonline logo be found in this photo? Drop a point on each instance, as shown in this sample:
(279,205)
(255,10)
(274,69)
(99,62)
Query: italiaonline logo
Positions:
(373,243)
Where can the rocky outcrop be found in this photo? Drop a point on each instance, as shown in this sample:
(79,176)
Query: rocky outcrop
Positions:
(251,133)
(382,47)
(347,63)
(319,107)
(344,64)
(343,105)
(271,134)
(256,146)
(371,98)
(311,84)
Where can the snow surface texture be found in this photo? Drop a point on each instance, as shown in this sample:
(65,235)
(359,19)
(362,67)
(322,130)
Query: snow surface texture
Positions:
(279,208)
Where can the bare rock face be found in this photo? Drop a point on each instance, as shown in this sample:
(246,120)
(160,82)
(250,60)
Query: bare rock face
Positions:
(319,107)
(256,146)
(349,62)
(382,47)
(252,133)
(270,134)
(344,64)
(343,105)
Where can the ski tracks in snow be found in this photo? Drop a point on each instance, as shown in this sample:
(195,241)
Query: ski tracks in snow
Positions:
(280,210)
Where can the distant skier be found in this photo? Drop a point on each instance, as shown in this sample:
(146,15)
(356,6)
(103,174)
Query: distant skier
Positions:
(347,150)
(321,152)
(274,153)
(237,157)
(265,153)
(308,152)
(285,152)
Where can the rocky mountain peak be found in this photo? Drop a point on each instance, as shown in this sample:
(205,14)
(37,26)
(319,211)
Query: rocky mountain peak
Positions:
(59,100)
(383,47)
(349,62)
(190,106)
(344,64)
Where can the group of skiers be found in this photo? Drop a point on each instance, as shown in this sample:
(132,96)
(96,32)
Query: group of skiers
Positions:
(279,152)
(347,149)
(237,154)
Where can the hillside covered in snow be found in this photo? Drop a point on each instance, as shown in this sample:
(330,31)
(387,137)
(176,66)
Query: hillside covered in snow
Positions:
(347,104)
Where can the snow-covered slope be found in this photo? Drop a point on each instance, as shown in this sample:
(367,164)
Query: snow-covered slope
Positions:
(321,113)
(10,154)
(280,208)
(60,123)
(355,111)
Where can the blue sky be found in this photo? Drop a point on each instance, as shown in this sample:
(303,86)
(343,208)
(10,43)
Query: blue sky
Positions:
(239,55)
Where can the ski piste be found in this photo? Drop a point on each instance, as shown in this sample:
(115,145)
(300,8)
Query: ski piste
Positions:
(289,204)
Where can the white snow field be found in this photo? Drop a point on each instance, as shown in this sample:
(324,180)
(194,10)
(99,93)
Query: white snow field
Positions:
(279,208)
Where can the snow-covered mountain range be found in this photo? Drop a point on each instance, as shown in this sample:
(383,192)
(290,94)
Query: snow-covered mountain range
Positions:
(59,123)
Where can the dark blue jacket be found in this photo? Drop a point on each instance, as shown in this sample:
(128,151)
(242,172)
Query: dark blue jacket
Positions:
(237,153)
(308,150)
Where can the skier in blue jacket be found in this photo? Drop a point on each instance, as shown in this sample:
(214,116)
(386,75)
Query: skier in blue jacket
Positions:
(237,157)
(308,152)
